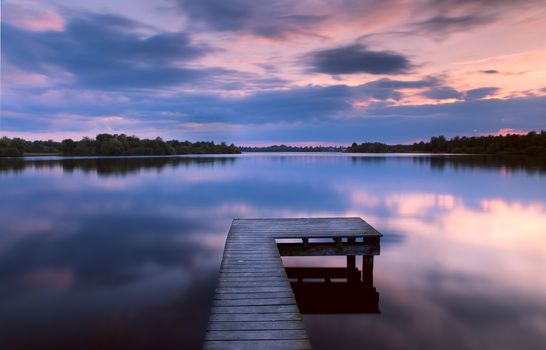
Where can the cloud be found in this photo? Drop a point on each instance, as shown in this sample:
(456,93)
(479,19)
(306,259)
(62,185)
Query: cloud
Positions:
(446,24)
(443,5)
(489,71)
(30,18)
(442,93)
(386,83)
(479,93)
(357,58)
(271,20)
(386,89)
(440,18)
(112,268)
(106,52)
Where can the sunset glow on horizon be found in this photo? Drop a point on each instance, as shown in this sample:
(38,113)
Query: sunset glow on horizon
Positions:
(258,72)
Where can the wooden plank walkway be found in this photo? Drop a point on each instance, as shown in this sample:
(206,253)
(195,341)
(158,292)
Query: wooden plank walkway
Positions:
(254,306)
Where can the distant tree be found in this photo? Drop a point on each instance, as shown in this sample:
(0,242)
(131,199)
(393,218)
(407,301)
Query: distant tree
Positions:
(10,152)
(67,146)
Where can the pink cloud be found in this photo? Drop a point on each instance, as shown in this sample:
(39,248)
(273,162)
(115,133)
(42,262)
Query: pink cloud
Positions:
(31,19)
(507,131)
(14,77)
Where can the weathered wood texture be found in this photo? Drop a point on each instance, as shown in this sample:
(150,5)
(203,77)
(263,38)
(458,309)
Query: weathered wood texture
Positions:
(254,306)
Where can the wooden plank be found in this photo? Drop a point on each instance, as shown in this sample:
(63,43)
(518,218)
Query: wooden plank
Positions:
(253,301)
(233,296)
(230,265)
(229,284)
(222,290)
(262,334)
(240,259)
(250,269)
(260,344)
(240,326)
(253,274)
(287,316)
(252,279)
(254,309)
(323,249)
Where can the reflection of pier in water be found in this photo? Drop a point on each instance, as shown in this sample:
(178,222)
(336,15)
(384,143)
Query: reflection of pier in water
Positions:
(327,290)
(255,306)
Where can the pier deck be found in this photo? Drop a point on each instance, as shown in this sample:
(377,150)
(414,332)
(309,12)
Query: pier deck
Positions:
(254,306)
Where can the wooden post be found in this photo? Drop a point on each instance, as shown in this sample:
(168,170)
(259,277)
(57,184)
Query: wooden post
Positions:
(305,243)
(367,270)
(351,261)
(353,275)
(338,242)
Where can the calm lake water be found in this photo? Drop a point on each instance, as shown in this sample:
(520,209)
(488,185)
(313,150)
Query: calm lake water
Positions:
(123,253)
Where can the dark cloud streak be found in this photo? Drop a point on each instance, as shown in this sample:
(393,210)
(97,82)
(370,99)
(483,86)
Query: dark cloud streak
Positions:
(442,93)
(271,20)
(479,93)
(357,58)
(441,25)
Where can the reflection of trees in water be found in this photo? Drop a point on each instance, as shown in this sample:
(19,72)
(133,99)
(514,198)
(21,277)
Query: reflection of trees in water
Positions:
(529,165)
(111,166)
(371,159)
(127,165)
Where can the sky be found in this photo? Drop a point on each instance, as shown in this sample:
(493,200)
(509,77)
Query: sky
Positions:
(255,72)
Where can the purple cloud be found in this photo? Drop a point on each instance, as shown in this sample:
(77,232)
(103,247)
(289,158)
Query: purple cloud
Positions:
(442,93)
(479,93)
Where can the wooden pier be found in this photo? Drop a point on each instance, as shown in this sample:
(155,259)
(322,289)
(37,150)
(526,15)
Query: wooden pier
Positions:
(254,306)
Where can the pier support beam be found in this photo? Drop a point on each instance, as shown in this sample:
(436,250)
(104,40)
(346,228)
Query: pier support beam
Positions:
(367,270)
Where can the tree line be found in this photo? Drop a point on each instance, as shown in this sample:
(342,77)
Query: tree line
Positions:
(285,148)
(532,144)
(111,145)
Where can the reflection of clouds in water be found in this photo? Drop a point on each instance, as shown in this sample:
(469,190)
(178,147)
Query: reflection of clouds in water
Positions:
(432,319)
(506,235)
(100,255)
(47,279)
(128,273)
(415,204)
(168,310)
(499,242)
(362,198)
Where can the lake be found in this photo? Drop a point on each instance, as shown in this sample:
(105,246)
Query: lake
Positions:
(116,253)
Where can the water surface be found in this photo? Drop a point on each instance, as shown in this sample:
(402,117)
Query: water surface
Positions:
(110,253)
